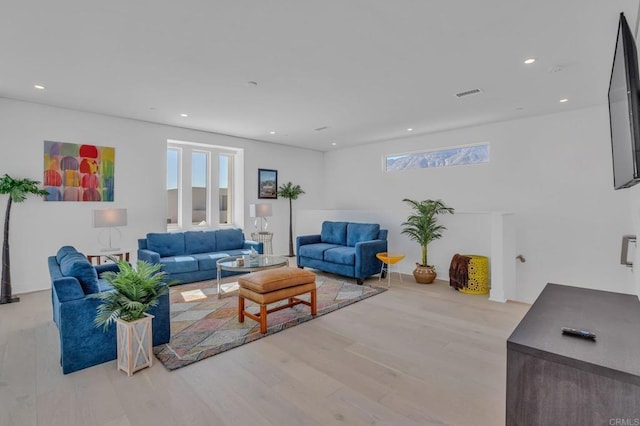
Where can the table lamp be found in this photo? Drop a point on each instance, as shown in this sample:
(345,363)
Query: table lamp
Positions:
(110,218)
(262,211)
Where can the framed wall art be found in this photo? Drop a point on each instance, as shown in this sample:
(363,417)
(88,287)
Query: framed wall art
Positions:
(267,183)
(77,172)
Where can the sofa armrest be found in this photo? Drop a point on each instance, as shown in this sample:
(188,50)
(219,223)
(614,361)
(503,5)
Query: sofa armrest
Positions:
(148,256)
(366,261)
(106,267)
(307,239)
(249,244)
(303,240)
(68,288)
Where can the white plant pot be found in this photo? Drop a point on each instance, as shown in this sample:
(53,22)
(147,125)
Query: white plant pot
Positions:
(134,344)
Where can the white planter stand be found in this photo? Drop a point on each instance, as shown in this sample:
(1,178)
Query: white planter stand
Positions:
(134,344)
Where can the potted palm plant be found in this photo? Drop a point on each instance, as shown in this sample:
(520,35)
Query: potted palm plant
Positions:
(135,290)
(422,226)
(291,192)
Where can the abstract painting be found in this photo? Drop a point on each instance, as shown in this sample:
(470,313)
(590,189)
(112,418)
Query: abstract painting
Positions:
(76,172)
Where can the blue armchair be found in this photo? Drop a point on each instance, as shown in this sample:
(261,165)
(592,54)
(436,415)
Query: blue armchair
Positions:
(343,248)
(83,345)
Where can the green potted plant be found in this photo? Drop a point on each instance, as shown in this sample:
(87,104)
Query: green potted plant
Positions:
(18,190)
(422,226)
(135,291)
(291,192)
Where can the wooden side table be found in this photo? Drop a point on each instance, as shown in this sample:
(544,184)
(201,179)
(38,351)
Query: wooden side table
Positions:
(119,254)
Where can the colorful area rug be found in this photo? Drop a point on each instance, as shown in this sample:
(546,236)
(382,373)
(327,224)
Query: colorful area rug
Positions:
(203,325)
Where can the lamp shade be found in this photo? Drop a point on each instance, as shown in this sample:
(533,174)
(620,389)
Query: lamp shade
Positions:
(260,210)
(105,218)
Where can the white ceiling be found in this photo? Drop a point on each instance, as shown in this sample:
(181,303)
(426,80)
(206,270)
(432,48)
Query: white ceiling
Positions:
(366,69)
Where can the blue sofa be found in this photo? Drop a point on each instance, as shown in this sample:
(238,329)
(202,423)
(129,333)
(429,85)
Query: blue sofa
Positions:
(192,255)
(82,344)
(343,248)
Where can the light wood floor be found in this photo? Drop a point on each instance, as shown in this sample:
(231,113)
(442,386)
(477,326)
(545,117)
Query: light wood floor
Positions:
(414,355)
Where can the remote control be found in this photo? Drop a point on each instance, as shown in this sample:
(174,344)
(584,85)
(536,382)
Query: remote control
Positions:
(580,333)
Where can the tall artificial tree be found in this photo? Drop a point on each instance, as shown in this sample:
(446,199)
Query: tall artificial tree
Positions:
(18,190)
(290,192)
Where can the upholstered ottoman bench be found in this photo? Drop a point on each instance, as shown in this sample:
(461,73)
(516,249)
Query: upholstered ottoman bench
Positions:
(273,285)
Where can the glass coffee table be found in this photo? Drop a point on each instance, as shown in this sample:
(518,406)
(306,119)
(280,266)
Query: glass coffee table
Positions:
(242,264)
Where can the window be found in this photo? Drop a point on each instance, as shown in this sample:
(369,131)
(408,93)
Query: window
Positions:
(470,154)
(225,163)
(200,185)
(173,161)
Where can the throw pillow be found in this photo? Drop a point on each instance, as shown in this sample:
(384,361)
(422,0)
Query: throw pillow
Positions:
(64,250)
(77,266)
(334,233)
(166,243)
(199,242)
(359,232)
(229,239)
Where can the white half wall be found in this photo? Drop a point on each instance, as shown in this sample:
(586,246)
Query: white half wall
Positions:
(487,234)
(39,228)
(553,172)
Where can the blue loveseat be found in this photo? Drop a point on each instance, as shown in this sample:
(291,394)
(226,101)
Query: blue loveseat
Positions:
(343,248)
(82,344)
(192,255)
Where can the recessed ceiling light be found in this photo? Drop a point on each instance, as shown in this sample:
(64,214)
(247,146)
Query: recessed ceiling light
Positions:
(333,143)
(529,60)
(563,100)
(272,132)
(38,86)
(184,115)
(409,129)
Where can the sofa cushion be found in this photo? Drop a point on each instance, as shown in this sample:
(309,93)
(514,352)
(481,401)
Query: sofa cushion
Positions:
(64,250)
(334,233)
(199,242)
(229,239)
(77,266)
(315,251)
(359,232)
(207,261)
(166,244)
(342,255)
(179,264)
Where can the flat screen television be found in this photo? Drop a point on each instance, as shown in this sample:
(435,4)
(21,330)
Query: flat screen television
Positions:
(624,109)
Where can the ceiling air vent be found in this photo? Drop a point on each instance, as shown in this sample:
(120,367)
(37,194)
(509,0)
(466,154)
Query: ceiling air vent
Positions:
(468,93)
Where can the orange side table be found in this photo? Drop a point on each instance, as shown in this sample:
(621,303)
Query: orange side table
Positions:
(387,260)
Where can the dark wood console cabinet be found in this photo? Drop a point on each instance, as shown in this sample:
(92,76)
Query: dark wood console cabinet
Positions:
(555,379)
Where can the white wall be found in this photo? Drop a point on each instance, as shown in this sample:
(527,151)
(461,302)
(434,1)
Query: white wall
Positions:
(39,228)
(553,172)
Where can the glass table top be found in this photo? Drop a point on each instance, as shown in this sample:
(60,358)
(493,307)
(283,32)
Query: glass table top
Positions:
(242,263)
